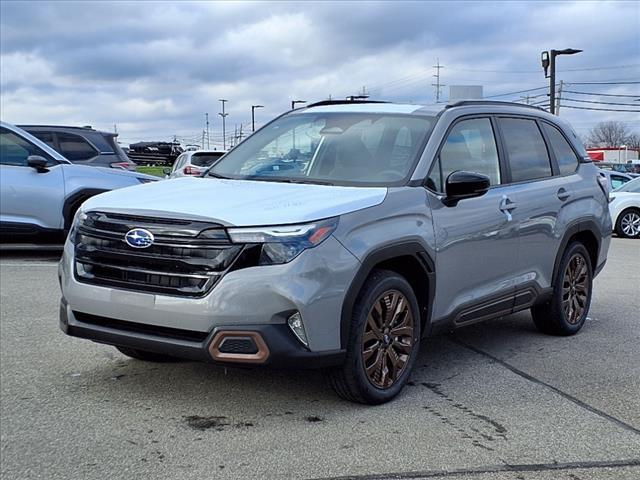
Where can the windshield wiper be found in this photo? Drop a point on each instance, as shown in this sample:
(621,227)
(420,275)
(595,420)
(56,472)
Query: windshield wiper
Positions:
(285,180)
(216,175)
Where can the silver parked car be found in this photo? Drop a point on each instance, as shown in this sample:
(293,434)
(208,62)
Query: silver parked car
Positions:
(193,163)
(40,190)
(339,236)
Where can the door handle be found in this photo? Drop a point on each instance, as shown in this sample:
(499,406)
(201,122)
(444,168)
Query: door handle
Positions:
(563,194)
(506,206)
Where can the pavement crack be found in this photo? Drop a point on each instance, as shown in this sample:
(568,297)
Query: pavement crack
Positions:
(548,386)
(489,469)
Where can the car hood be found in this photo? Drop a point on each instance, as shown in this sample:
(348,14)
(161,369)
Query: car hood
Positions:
(237,202)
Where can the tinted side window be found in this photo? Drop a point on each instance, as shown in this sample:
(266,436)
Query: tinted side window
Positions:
(46,137)
(566,157)
(470,146)
(14,150)
(75,148)
(526,150)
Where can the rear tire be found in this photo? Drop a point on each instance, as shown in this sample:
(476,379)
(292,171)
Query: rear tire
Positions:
(383,342)
(146,356)
(566,311)
(628,223)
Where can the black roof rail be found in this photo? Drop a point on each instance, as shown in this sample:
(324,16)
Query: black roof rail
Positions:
(341,102)
(462,103)
(86,127)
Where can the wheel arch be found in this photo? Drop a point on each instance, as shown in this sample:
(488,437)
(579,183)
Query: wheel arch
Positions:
(408,259)
(73,202)
(585,232)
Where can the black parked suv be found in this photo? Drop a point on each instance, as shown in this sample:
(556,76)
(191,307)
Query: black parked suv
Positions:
(83,145)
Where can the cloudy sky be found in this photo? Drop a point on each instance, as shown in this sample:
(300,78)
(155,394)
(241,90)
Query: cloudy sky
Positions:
(154,69)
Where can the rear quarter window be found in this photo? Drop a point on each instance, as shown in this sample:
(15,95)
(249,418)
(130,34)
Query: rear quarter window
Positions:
(565,156)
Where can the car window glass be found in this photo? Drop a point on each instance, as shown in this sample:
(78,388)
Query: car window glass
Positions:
(14,150)
(204,159)
(526,150)
(75,148)
(565,156)
(46,137)
(470,146)
(617,181)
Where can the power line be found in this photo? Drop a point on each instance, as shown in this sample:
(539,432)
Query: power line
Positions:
(600,109)
(603,94)
(602,83)
(515,93)
(601,103)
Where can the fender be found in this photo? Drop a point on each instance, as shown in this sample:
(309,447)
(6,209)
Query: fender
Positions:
(74,201)
(572,229)
(381,254)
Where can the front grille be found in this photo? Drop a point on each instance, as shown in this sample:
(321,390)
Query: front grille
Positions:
(187,258)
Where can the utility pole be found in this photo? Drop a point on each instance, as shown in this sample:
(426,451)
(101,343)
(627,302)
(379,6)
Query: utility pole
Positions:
(202,139)
(253,116)
(206,116)
(557,112)
(240,134)
(438,85)
(224,130)
(548,60)
(526,98)
(115,128)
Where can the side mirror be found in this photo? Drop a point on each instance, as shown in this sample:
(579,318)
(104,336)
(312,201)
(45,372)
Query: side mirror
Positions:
(461,185)
(166,170)
(37,162)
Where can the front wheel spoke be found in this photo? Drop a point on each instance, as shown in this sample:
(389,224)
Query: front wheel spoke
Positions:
(374,329)
(367,353)
(402,347)
(375,366)
(402,331)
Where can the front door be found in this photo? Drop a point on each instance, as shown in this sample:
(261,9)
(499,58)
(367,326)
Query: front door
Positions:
(477,239)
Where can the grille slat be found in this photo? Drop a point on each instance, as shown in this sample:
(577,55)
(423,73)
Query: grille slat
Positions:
(102,257)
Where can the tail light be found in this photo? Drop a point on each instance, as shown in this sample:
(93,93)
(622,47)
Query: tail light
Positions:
(189,170)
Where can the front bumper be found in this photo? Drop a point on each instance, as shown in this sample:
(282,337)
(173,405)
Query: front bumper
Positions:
(284,350)
(257,299)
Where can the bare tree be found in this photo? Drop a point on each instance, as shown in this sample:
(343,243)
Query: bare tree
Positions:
(608,134)
(633,140)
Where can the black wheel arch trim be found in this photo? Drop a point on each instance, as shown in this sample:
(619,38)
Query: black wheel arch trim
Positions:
(74,200)
(412,248)
(572,229)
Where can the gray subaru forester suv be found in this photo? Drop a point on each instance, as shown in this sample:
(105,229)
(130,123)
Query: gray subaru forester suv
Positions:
(340,235)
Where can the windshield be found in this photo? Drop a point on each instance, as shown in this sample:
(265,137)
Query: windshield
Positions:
(633,186)
(365,149)
(205,159)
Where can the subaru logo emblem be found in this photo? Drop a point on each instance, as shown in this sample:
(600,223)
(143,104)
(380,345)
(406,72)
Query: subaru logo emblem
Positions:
(139,238)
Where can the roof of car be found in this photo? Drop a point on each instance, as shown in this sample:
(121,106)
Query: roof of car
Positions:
(86,128)
(359,106)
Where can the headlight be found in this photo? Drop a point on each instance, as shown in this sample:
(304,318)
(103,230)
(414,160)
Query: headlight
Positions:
(78,220)
(283,244)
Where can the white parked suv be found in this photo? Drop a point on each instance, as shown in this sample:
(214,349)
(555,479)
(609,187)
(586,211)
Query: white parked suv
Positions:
(193,163)
(625,209)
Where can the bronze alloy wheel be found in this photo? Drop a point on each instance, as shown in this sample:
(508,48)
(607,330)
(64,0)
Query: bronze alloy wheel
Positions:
(575,287)
(387,341)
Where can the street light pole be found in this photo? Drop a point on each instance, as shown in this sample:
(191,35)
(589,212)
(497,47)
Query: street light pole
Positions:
(224,130)
(549,64)
(253,116)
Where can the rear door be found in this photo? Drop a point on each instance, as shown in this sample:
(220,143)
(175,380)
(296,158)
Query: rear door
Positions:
(28,198)
(477,239)
(542,192)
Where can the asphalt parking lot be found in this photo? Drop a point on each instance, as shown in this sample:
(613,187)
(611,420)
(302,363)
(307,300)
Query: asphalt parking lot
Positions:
(494,401)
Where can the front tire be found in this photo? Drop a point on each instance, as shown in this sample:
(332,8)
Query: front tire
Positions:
(567,310)
(383,343)
(628,223)
(146,356)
